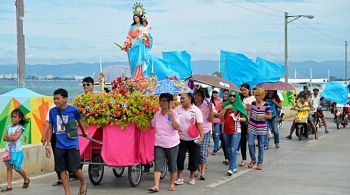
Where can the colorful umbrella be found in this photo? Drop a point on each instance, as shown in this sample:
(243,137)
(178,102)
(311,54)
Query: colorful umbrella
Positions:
(167,86)
(214,81)
(275,86)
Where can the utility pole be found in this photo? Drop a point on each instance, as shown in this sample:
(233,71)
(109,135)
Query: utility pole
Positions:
(21,69)
(346,62)
(286,47)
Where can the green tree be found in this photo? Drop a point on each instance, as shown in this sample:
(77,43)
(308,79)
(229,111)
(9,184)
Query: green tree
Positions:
(217,73)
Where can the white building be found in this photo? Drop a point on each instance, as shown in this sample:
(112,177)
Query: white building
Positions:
(78,78)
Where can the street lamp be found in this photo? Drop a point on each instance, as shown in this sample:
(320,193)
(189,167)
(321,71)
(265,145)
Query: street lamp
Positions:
(286,16)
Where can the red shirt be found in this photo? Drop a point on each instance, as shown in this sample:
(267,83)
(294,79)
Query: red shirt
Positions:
(231,126)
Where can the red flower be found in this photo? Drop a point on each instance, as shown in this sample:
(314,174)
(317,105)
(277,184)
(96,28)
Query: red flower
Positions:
(119,79)
(126,78)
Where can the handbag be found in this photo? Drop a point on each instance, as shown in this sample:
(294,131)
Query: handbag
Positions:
(71,127)
(6,156)
(193,129)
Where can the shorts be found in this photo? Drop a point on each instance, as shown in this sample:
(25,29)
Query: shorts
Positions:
(161,153)
(320,112)
(203,149)
(310,119)
(67,159)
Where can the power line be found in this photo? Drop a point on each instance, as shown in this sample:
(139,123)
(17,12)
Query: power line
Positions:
(265,6)
(316,36)
(298,20)
(250,9)
(321,32)
(282,16)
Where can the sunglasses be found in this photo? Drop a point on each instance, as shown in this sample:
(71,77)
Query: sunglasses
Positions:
(87,84)
(232,95)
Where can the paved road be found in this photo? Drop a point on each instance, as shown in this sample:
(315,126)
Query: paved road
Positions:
(298,167)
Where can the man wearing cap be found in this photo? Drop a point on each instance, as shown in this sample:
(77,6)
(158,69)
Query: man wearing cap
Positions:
(316,98)
(305,90)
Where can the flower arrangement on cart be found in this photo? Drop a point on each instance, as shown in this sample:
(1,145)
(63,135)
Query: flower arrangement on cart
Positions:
(122,106)
(119,130)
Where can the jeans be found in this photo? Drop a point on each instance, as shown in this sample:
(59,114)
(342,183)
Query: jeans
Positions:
(273,126)
(232,142)
(216,135)
(251,145)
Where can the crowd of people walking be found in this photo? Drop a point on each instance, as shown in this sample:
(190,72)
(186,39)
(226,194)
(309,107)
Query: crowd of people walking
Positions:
(233,122)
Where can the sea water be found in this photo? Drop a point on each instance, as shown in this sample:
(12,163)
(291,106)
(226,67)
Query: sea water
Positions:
(45,87)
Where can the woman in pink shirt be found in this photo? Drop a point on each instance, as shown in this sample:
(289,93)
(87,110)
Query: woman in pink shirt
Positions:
(208,116)
(166,122)
(187,113)
(217,101)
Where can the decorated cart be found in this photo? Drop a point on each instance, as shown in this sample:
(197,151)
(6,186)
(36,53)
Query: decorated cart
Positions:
(120,134)
(119,128)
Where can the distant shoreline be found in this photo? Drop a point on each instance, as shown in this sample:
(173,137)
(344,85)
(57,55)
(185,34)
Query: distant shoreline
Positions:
(54,79)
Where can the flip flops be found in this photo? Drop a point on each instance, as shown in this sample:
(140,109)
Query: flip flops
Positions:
(153,190)
(57,183)
(172,188)
(6,189)
(26,185)
(83,192)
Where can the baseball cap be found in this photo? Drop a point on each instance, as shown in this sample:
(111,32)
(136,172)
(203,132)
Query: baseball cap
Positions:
(216,90)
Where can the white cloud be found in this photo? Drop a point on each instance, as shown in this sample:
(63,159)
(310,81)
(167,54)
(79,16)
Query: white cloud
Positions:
(85,31)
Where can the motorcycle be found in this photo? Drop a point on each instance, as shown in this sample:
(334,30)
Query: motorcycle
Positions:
(316,114)
(338,115)
(302,127)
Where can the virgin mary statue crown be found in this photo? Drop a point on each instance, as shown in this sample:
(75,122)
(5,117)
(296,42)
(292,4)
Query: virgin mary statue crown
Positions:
(139,10)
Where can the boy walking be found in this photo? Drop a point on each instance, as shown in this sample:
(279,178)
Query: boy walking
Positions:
(67,155)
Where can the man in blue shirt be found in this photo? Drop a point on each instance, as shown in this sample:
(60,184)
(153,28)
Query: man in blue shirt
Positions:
(67,155)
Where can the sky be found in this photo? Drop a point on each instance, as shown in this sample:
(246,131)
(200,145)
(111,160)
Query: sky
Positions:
(65,31)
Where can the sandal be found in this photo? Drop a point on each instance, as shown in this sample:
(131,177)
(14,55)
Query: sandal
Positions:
(172,188)
(26,185)
(83,192)
(243,163)
(6,189)
(226,162)
(289,137)
(57,183)
(153,189)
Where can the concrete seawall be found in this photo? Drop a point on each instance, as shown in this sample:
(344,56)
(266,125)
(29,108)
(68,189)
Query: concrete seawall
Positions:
(35,160)
(288,113)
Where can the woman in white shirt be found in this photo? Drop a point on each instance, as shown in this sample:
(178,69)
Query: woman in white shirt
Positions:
(247,100)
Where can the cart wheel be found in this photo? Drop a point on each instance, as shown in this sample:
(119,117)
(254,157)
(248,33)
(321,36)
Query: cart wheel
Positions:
(165,169)
(96,169)
(118,171)
(135,174)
